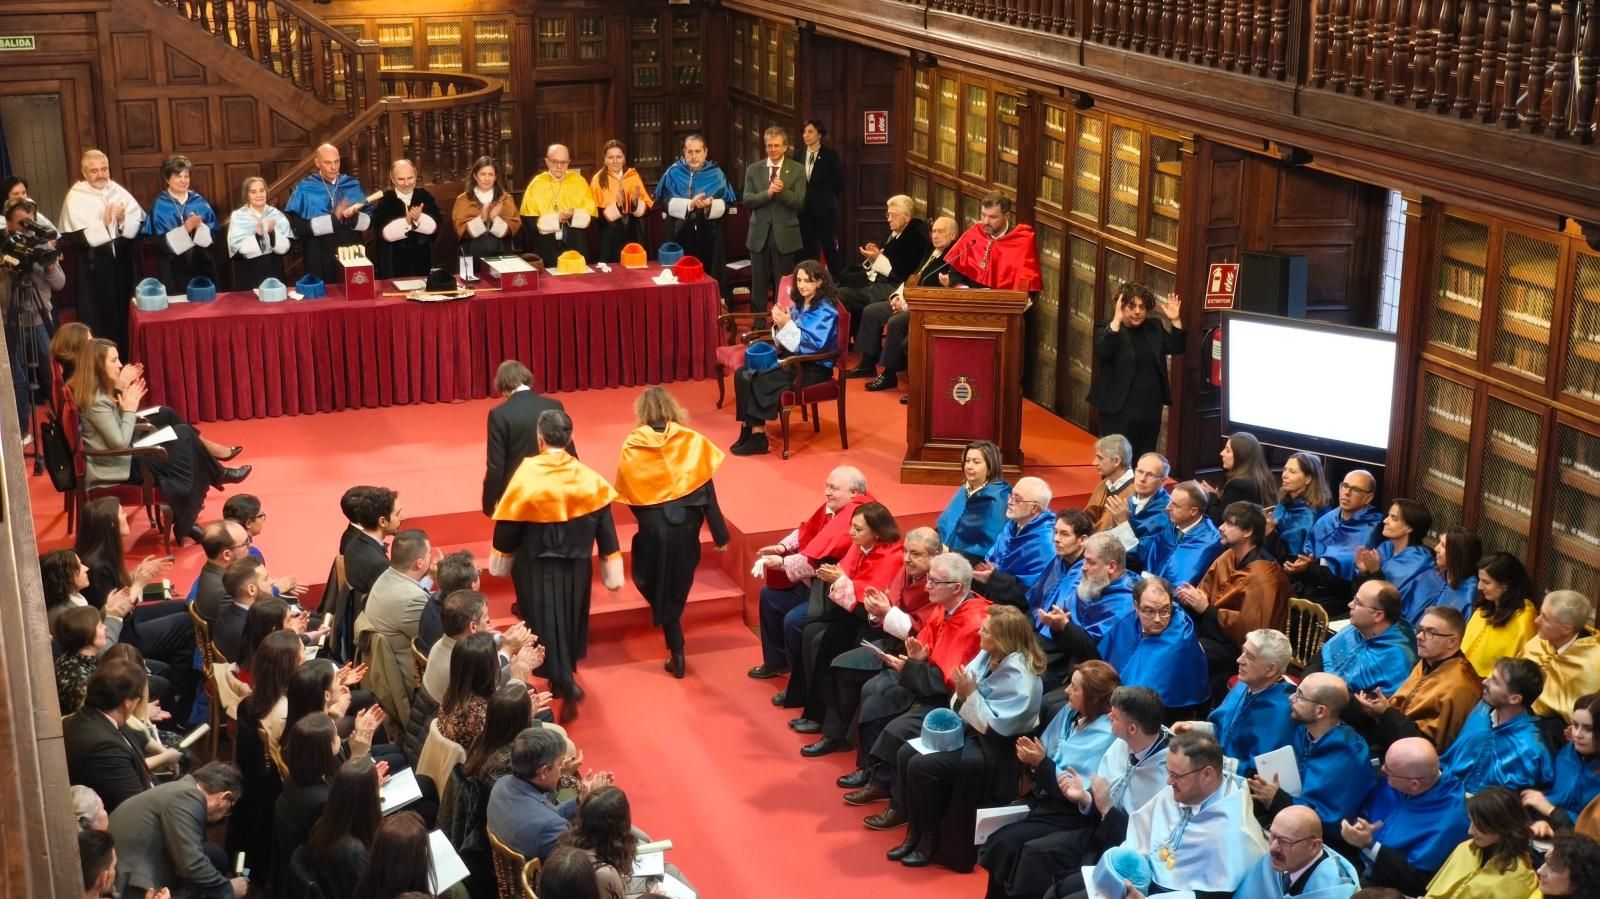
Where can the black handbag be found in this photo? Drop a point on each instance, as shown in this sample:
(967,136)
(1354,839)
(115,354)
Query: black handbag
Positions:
(57,456)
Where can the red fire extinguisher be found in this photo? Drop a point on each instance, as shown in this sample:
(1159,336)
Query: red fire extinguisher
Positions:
(1213,335)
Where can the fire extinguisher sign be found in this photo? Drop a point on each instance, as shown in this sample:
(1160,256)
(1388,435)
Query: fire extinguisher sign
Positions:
(1221,281)
(875,126)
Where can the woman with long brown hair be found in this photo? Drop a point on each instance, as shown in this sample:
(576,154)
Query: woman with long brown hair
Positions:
(623,202)
(1250,479)
(665,474)
(399,859)
(108,417)
(1494,860)
(812,326)
(338,844)
(485,215)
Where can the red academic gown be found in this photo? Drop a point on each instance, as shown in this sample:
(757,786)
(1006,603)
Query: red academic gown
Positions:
(831,629)
(1008,262)
(823,538)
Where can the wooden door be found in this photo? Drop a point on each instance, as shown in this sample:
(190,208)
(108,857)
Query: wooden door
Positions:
(576,114)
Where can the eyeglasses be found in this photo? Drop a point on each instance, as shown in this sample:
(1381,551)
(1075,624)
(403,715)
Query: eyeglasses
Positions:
(1156,613)
(937,583)
(1430,632)
(1015,500)
(1175,776)
(1301,696)
(1346,485)
(1274,839)
(1362,605)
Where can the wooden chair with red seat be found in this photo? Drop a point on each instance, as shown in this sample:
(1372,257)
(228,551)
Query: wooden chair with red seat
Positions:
(58,399)
(145,493)
(736,328)
(804,395)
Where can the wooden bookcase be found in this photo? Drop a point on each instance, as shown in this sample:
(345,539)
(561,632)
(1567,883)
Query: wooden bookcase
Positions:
(1106,211)
(763,56)
(666,85)
(1506,437)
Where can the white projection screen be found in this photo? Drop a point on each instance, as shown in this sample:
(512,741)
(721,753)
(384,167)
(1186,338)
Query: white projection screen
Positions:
(1309,385)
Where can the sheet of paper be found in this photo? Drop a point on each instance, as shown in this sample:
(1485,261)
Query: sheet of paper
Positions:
(676,888)
(156,438)
(1280,762)
(1124,532)
(448,868)
(917,744)
(650,864)
(737,265)
(146,413)
(1102,883)
(400,791)
(992,819)
(410,284)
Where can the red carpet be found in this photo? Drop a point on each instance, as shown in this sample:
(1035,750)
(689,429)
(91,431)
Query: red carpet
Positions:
(707,761)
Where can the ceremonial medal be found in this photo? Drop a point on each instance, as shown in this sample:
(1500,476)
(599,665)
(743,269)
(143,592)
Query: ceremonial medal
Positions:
(1168,856)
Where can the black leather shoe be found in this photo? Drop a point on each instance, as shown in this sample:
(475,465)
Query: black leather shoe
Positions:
(904,849)
(862,371)
(804,726)
(922,856)
(234,475)
(855,780)
(755,446)
(195,534)
(765,671)
(882,382)
(905,399)
(888,819)
(675,665)
(867,795)
(233,453)
(575,693)
(825,746)
(780,697)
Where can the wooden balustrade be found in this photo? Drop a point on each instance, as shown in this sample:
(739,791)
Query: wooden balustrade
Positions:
(337,69)
(1521,64)
(441,122)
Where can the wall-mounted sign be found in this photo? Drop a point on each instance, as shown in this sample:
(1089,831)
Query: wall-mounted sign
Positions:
(17,42)
(875,126)
(1221,281)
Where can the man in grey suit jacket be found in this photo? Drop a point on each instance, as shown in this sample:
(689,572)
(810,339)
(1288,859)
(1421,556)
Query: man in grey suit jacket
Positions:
(394,607)
(774,192)
(161,836)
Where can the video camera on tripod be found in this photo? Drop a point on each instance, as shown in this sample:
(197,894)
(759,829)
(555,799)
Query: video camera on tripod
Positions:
(21,250)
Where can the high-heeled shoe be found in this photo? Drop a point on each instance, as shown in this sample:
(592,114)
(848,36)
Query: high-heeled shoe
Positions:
(233,453)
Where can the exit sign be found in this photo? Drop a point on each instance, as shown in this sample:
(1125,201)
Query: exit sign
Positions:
(17,42)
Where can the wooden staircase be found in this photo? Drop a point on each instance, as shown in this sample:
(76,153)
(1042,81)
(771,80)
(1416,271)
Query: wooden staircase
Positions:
(335,87)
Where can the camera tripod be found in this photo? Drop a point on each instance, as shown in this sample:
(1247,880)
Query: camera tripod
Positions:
(21,341)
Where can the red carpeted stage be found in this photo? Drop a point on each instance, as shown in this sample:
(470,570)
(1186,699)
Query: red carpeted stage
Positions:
(706,761)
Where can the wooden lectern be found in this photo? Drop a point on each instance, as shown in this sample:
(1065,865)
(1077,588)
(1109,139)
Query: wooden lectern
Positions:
(966,380)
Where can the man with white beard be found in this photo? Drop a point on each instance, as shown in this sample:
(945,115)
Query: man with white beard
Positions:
(1104,595)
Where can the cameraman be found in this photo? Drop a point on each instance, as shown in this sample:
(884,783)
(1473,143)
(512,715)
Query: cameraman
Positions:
(31,321)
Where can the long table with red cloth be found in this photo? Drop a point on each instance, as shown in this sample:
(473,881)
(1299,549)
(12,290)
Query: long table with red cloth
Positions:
(239,358)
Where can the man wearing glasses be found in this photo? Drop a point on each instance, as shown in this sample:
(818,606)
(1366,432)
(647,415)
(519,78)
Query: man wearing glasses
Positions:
(223,541)
(1324,574)
(1298,864)
(1410,822)
(1436,699)
(1026,544)
(1374,653)
(1199,833)
(1144,509)
(1155,647)
(1335,763)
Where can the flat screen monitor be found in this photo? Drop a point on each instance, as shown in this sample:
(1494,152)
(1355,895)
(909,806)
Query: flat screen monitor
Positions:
(1309,385)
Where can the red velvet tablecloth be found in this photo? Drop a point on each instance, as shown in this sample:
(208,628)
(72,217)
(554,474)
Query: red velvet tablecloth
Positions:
(241,358)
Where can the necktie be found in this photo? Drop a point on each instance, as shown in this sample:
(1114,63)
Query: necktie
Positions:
(811,160)
(1121,784)
(1286,884)
(772,174)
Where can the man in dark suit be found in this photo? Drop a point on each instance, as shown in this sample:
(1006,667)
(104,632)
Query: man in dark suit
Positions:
(1131,385)
(774,192)
(366,557)
(819,220)
(224,541)
(885,268)
(513,428)
(247,582)
(104,754)
(161,837)
(886,323)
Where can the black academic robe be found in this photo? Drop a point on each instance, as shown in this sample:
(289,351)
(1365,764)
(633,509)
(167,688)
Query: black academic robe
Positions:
(109,272)
(553,571)
(411,255)
(666,549)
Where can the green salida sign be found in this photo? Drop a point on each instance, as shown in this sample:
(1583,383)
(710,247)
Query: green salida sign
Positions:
(16,42)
